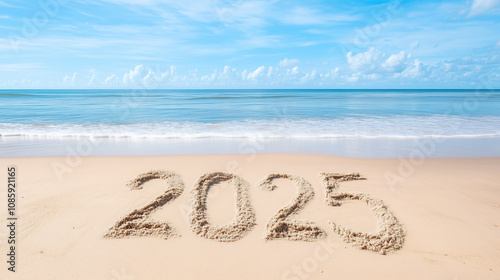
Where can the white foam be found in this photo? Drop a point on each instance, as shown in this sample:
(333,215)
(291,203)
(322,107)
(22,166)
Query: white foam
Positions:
(375,127)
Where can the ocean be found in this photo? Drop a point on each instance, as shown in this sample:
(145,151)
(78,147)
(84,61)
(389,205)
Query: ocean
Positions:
(291,115)
(243,113)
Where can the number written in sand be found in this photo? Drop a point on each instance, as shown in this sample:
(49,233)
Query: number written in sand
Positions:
(390,234)
(242,223)
(137,223)
(281,226)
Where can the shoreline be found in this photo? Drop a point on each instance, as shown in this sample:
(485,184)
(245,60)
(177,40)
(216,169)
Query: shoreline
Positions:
(428,147)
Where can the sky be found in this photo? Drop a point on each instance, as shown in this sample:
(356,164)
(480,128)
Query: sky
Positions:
(249,44)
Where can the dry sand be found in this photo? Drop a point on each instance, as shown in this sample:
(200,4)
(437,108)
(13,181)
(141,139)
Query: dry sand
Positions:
(137,223)
(111,218)
(281,226)
(244,219)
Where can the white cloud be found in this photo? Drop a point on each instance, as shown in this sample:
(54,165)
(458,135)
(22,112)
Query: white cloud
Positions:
(309,76)
(74,78)
(412,71)
(414,45)
(270,71)
(308,16)
(479,7)
(395,62)
(246,13)
(373,76)
(70,80)
(332,74)
(210,78)
(285,63)
(234,14)
(294,71)
(19,66)
(22,83)
(149,80)
(92,82)
(255,74)
(352,79)
(364,69)
(112,81)
(374,64)
(365,62)
(134,76)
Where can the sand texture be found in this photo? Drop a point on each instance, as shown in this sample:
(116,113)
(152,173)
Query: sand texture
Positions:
(281,226)
(280,216)
(390,234)
(136,223)
(245,217)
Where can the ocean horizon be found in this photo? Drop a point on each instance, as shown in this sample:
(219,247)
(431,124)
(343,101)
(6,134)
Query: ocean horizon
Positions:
(355,123)
(265,113)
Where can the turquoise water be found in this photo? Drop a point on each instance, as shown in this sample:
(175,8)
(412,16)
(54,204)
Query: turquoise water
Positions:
(246,113)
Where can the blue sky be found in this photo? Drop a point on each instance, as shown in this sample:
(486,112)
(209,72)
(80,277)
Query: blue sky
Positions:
(249,44)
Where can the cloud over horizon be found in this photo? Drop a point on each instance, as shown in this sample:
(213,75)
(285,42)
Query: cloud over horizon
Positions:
(249,44)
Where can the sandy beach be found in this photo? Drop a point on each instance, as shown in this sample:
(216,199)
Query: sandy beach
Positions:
(448,210)
(249,140)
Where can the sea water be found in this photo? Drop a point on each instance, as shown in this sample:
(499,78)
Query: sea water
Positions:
(220,116)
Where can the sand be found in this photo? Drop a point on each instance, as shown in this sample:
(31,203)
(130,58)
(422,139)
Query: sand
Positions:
(244,220)
(254,217)
(281,226)
(390,234)
(136,223)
